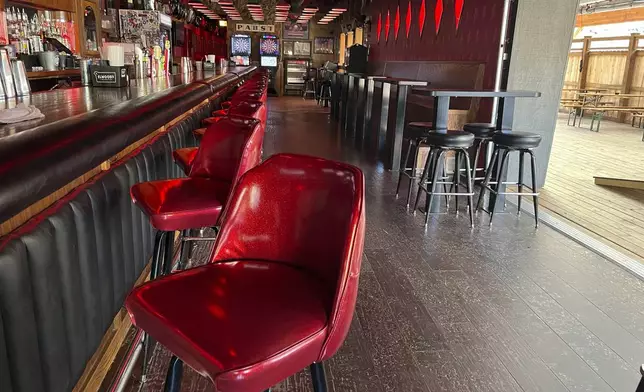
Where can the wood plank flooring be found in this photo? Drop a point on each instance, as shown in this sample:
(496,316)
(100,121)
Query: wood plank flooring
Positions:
(507,308)
(615,215)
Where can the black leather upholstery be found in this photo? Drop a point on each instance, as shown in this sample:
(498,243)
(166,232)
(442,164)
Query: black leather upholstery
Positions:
(517,140)
(450,139)
(5,374)
(480,130)
(65,275)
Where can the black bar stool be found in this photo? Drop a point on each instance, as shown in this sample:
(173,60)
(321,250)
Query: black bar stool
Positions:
(325,88)
(439,143)
(482,137)
(414,136)
(507,142)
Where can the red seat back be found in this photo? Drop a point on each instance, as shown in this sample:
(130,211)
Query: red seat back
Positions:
(306,212)
(228,149)
(253,109)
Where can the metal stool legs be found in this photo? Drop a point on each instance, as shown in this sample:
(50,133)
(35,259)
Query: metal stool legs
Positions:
(495,186)
(433,165)
(475,168)
(309,88)
(173,377)
(318,377)
(325,94)
(415,144)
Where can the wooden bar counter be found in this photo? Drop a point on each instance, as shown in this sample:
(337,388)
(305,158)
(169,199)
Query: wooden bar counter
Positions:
(72,245)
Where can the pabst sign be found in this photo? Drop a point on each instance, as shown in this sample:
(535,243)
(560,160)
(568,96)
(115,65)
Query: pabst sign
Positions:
(254,28)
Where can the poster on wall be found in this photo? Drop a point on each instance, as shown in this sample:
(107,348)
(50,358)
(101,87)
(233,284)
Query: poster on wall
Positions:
(296,31)
(302,48)
(323,45)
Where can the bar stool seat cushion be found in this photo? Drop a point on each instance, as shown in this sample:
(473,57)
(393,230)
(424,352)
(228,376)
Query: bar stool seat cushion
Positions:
(185,156)
(211,120)
(247,324)
(182,203)
(199,132)
(220,113)
(450,139)
(480,130)
(517,139)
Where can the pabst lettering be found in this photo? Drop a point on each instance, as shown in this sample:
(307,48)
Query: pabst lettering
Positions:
(255,28)
(107,77)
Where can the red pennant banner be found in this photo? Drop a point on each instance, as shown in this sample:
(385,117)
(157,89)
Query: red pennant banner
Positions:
(387,27)
(421,18)
(397,23)
(458,11)
(379,26)
(408,20)
(438,14)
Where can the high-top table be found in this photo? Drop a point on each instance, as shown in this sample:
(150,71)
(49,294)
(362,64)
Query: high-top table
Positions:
(505,117)
(392,148)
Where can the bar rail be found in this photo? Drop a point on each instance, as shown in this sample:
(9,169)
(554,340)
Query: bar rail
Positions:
(37,162)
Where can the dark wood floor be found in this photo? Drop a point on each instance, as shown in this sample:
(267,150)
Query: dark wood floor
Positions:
(507,308)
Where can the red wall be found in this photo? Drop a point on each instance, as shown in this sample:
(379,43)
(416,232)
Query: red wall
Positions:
(477,38)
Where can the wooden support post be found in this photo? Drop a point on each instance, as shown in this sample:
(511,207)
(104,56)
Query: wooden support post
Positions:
(585,52)
(627,79)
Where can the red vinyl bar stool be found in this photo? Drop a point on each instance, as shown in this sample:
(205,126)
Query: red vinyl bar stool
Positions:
(253,109)
(185,157)
(255,91)
(231,148)
(227,151)
(249,95)
(280,291)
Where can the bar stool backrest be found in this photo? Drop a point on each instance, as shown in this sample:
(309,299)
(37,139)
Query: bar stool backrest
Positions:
(306,212)
(253,109)
(228,149)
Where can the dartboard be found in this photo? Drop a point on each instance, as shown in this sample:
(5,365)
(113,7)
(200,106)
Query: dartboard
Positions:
(269,47)
(240,45)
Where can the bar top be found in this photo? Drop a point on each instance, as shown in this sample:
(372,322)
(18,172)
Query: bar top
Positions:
(84,127)
(64,103)
(477,93)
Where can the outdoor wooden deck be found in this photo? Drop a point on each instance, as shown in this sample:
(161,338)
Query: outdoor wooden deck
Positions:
(615,215)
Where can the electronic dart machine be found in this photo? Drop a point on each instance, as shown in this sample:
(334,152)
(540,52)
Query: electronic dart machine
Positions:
(240,49)
(269,51)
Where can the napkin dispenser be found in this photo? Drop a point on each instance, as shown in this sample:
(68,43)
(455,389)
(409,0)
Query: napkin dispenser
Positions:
(108,76)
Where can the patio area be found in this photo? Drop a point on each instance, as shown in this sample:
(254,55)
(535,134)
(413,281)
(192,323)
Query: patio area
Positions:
(612,215)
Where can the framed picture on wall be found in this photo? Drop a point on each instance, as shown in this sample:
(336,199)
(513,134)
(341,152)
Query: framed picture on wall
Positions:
(287,48)
(323,45)
(296,31)
(302,48)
